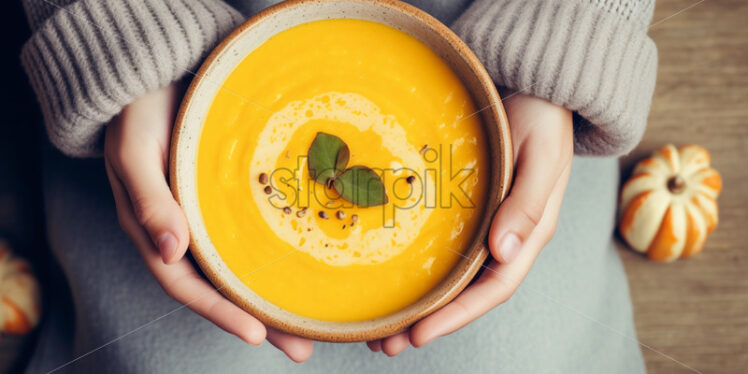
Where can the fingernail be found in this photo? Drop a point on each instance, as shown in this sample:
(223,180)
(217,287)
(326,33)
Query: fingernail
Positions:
(431,338)
(167,245)
(509,246)
(255,337)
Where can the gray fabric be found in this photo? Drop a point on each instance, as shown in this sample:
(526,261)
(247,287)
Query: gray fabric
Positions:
(571,315)
(600,64)
(91,58)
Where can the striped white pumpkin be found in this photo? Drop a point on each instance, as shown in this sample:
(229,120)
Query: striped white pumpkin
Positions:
(19,294)
(668,206)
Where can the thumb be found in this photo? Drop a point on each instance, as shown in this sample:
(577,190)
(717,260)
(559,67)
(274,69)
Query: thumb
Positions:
(139,138)
(540,162)
(155,208)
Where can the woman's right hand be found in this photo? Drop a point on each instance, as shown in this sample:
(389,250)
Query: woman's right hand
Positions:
(136,156)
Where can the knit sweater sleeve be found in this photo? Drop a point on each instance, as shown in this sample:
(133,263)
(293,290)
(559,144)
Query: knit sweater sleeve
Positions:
(591,56)
(87,59)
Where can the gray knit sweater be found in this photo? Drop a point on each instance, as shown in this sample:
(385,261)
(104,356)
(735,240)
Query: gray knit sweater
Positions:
(87,59)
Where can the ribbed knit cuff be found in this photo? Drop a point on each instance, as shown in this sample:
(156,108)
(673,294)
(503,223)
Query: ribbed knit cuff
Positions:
(93,57)
(597,63)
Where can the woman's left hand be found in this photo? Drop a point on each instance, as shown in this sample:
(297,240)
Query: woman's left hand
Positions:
(542,135)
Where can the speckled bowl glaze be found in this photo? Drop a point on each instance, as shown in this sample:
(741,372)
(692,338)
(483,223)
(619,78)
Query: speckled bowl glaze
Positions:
(220,64)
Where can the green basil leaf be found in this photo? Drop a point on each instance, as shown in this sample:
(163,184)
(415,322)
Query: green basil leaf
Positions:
(361,186)
(342,160)
(327,157)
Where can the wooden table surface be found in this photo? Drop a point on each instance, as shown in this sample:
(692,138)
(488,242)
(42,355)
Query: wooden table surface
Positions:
(696,310)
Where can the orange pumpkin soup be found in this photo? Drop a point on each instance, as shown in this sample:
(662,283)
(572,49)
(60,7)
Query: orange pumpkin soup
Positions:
(401,111)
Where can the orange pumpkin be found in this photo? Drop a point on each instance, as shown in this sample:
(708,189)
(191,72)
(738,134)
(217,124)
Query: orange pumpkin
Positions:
(19,294)
(668,206)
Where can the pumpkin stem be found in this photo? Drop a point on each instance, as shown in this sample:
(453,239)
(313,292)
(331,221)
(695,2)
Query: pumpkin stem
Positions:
(676,184)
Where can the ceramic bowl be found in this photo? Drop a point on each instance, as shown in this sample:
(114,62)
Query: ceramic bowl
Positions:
(220,64)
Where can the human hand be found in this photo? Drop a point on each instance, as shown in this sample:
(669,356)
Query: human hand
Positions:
(136,156)
(542,135)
